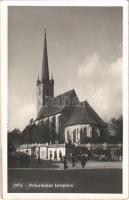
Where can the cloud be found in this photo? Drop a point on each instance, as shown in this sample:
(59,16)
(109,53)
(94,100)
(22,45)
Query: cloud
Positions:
(89,66)
(100,82)
(20,115)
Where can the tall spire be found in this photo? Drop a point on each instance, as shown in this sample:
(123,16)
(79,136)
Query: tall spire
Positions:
(45,70)
(52,76)
(38,77)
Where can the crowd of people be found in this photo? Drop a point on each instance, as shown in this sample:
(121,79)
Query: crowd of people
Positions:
(83,158)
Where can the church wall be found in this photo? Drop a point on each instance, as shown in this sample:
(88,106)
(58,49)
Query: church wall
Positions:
(63,120)
(76,133)
(56,121)
(73,101)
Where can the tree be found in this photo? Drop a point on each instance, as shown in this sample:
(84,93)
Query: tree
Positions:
(42,133)
(14,136)
(116,130)
(35,134)
(52,131)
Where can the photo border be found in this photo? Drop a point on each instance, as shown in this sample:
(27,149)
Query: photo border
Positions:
(4,97)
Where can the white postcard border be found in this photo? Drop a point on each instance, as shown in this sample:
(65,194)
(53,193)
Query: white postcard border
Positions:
(4,102)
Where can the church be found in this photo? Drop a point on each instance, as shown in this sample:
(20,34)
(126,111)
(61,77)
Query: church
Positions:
(72,121)
(71,126)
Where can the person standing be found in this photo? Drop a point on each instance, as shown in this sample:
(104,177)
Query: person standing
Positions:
(65,163)
(83,160)
(39,160)
(73,160)
(39,155)
(60,156)
(50,156)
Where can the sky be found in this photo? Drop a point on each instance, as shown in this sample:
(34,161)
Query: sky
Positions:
(84,53)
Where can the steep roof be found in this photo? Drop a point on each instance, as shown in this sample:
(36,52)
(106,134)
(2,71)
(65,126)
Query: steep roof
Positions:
(45,70)
(84,114)
(58,104)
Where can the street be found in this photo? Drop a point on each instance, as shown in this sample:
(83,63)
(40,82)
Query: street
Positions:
(65,181)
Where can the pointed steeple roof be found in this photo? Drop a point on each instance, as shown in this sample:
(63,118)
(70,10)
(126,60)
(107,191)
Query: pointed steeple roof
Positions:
(45,70)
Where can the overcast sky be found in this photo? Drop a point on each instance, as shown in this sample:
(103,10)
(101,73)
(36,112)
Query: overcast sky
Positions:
(84,53)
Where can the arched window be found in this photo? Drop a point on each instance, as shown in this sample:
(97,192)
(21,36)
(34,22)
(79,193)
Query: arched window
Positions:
(91,133)
(74,136)
(68,137)
(81,136)
(77,133)
(85,132)
(98,132)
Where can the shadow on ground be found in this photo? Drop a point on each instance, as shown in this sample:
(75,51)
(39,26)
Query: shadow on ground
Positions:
(30,162)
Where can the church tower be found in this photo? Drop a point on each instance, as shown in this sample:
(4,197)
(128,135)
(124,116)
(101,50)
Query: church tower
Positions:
(45,86)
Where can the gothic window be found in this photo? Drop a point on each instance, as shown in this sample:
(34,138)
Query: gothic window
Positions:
(91,133)
(77,133)
(85,132)
(47,122)
(81,136)
(98,132)
(74,136)
(68,137)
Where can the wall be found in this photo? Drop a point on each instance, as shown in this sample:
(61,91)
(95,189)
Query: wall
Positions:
(57,150)
(50,118)
(43,153)
(76,130)
(44,150)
